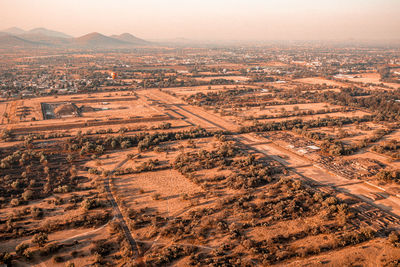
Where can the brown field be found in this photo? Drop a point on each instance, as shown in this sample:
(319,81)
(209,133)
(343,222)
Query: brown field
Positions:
(320,81)
(374,78)
(170,165)
(170,185)
(371,77)
(102,109)
(235,78)
(152,202)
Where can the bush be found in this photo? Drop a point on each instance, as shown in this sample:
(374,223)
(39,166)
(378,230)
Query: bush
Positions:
(28,254)
(15,202)
(156,196)
(27,195)
(36,213)
(20,249)
(40,239)
(5,258)
(89,204)
(58,259)
(394,238)
(62,189)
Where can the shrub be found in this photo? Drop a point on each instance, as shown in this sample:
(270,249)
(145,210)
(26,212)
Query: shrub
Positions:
(394,238)
(28,254)
(14,202)
(40,239)
(62,189)
(36,212)
(89,204)
(156,196)
(27,195)
(5,258)
(20,249)
(57,259)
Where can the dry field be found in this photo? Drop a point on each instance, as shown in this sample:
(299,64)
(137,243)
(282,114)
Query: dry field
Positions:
(235,78)
(177,196)
(112,110)
(320,81)
(373,78)
(168,193)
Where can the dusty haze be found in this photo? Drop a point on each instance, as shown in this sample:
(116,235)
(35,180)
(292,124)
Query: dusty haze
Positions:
(211,20)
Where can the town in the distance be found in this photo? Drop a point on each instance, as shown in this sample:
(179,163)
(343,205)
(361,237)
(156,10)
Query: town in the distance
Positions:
(119,151)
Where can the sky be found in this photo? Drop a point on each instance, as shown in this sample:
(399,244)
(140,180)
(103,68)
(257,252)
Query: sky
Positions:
(252,20)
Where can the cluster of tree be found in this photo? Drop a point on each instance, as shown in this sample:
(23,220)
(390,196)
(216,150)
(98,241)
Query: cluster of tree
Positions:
(337,148)
(251,173)
(169,254)
(317,136)
(394,238)
(203,159)
(172,81)
(32,175)
(247,172)
(146,166)
(141,218)
(389,148)
(216,98)
(387,75)
(286,114)
(389,175)
(284,200)
(7,135)
(144,141)
(36,136)
(300,124)
(382,104)
(121,130)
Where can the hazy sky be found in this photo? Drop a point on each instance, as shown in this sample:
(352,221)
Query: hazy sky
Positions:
(211,19)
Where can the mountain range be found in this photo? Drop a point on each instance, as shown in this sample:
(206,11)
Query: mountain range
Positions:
(41,37)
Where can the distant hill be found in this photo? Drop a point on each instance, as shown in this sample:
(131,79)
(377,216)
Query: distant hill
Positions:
(127,37)
(11,41)
(48,38)
(97,40)
(50,33)
(14,31)
(42,31)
